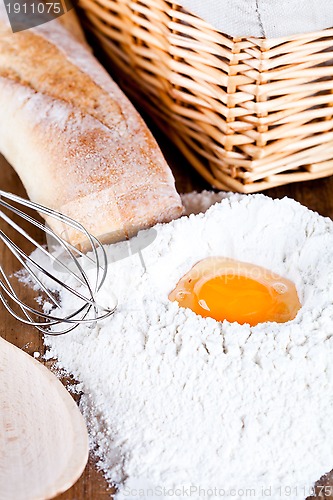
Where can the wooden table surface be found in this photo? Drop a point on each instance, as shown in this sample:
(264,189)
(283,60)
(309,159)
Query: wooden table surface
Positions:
(317,195)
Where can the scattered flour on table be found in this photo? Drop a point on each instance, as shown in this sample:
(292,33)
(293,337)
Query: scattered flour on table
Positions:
(180,405)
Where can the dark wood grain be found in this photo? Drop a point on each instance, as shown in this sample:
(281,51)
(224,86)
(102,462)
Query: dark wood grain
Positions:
(317,195)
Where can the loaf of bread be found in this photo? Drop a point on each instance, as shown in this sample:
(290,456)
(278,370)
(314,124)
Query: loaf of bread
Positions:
(75,140)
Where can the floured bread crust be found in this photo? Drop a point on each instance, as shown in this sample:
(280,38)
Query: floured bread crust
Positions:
(75,140)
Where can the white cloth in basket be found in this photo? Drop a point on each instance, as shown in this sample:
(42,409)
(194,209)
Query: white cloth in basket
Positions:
(264,18)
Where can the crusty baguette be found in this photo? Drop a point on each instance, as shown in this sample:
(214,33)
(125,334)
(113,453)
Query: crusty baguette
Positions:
(75,140)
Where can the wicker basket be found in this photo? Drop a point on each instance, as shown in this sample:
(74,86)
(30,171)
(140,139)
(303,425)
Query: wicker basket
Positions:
(248,113)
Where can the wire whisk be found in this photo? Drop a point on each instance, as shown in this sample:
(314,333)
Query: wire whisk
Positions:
(56,270)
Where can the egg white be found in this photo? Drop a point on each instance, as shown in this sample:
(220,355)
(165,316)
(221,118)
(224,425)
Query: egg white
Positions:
(264,400)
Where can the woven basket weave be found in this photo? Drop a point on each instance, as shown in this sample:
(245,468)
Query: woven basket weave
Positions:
(248,113)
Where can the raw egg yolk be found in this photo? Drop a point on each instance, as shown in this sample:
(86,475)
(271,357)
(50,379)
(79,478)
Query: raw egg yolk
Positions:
(227,289)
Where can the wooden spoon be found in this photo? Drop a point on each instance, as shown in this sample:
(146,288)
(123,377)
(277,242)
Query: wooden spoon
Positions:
(43,437)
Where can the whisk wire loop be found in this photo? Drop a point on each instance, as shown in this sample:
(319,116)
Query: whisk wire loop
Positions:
(65,264)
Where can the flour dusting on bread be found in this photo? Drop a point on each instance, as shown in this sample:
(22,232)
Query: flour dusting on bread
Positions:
(76,141)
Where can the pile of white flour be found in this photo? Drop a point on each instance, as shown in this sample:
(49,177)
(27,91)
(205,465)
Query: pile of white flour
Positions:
(183,406)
